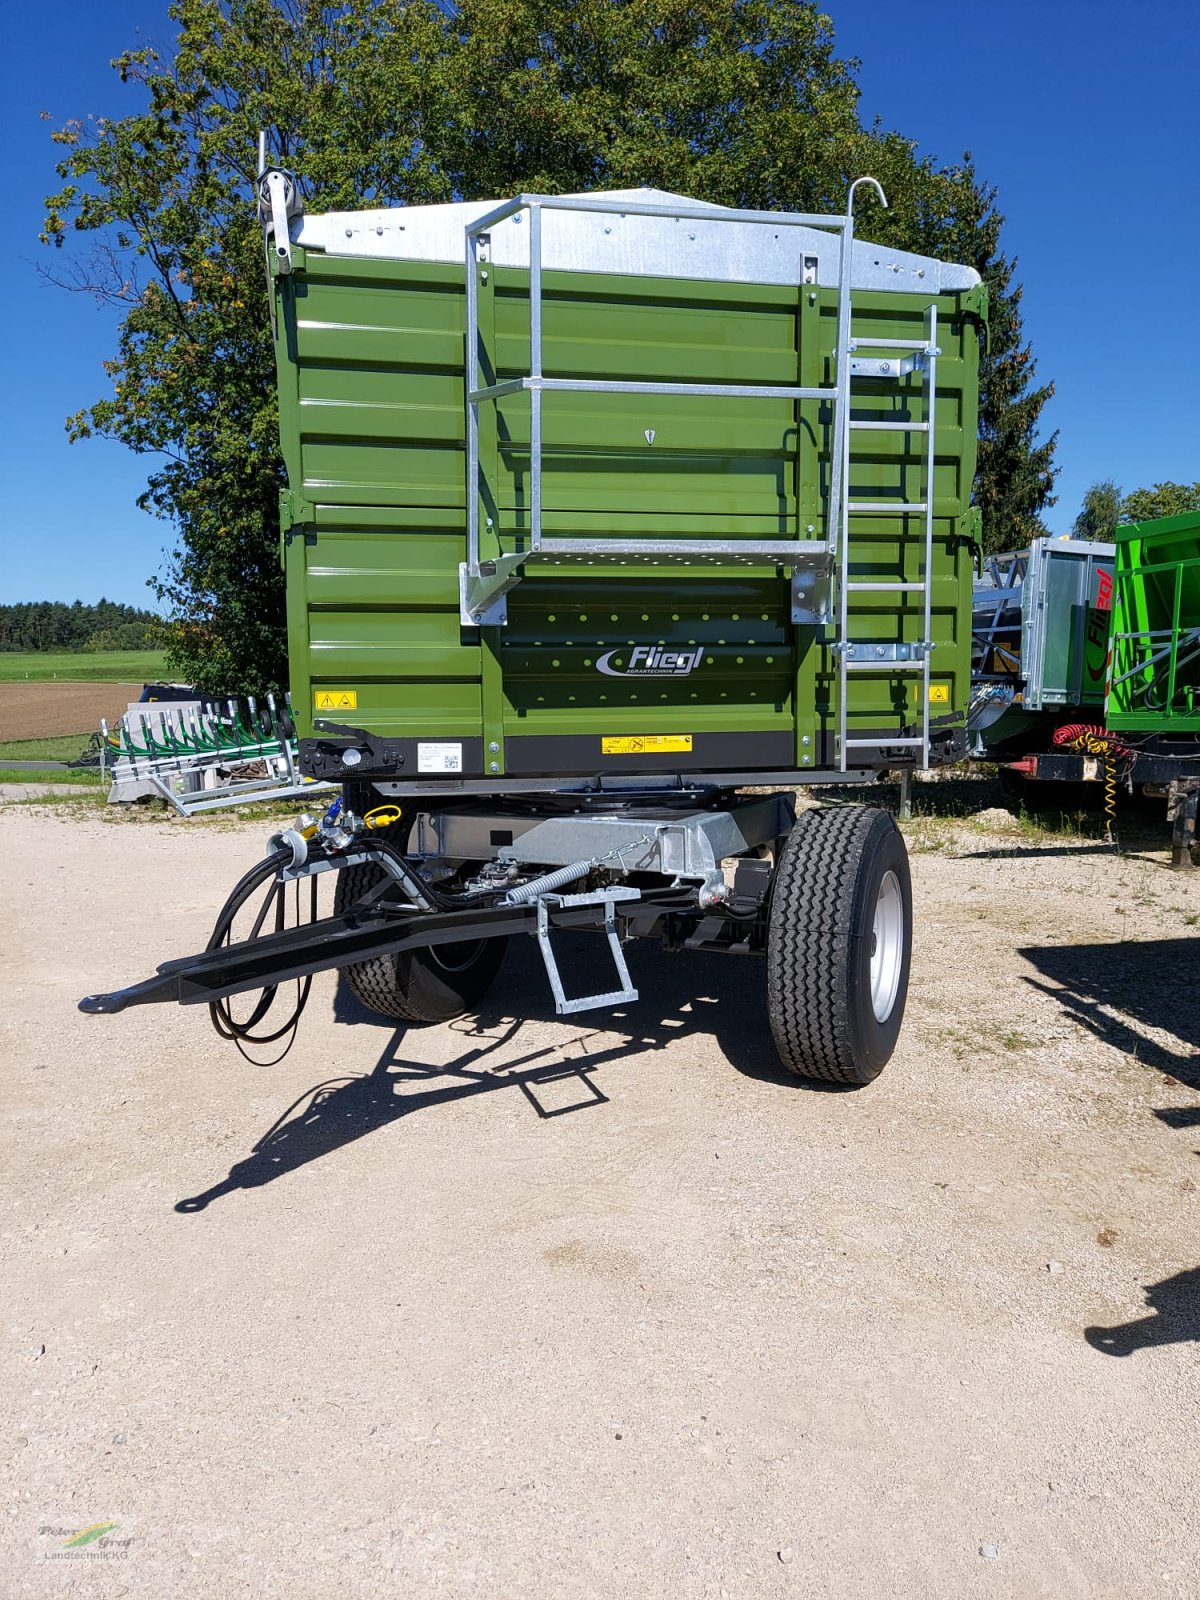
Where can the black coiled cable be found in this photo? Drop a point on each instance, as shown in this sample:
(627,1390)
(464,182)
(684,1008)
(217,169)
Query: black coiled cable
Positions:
(226,1025)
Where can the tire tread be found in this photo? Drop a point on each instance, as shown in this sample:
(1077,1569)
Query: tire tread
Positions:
(373,983)
(811,926)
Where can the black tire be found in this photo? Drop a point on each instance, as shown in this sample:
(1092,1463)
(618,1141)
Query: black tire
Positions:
(434,985)
(828,890)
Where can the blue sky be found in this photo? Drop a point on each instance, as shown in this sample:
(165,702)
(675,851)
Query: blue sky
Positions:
(1082,113)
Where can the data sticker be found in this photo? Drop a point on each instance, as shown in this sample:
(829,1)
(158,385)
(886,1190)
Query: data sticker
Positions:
(939,692)
(336,699)
(647,744)
(439,758)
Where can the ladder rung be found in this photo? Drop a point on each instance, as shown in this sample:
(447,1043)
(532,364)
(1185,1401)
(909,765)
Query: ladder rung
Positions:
(886,588)
(886,505)
(805,552)
(884,739)
(892,344)
(891,427)
(885,666)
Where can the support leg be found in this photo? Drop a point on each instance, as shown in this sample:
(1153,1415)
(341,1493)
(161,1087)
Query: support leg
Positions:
(1182,802)
(906,794)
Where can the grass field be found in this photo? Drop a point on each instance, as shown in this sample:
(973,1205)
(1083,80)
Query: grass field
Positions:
(78,778)
(63,747)
(60,747)
(107,666)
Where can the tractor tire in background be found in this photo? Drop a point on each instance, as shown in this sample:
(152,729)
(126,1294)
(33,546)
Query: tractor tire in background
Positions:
(839,943)
(433,985)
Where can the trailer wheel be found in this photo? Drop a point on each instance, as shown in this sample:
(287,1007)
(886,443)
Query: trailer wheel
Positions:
(839,939)
(432,985)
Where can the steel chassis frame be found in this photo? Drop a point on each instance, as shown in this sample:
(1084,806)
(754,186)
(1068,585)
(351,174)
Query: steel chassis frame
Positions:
(686,846)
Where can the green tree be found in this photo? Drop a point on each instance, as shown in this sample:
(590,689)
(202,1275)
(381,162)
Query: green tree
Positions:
(401,101)
(1164,500)
(1014,480)
(1100,512)
(166,194)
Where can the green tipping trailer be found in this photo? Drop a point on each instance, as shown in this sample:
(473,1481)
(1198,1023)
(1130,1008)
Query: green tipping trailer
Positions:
(649,582)
(601,511)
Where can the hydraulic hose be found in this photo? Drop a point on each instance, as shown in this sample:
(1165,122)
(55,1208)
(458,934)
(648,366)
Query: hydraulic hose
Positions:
(242,1033)
(1095,741)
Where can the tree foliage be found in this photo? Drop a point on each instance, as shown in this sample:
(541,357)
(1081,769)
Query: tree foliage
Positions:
(1106,506)
(401,101)
(54,625)
(1100,512)
(1164,500)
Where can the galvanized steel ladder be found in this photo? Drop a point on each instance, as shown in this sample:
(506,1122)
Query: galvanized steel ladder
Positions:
(889,658)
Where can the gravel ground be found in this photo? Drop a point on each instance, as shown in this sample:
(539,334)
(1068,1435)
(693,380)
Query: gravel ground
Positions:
(606,1306)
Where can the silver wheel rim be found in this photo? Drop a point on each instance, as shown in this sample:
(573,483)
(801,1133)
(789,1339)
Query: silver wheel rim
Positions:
(887,946)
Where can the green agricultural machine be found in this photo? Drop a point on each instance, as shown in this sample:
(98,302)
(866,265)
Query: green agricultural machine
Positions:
(1154,664)
(1150,609)
(611,521)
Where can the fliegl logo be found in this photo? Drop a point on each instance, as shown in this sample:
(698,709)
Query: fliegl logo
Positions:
(651,661)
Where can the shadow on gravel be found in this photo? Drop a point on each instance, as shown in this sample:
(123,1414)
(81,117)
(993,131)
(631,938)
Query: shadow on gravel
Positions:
(1175,1318)
(1019,852)
(1111,988)
(722,997)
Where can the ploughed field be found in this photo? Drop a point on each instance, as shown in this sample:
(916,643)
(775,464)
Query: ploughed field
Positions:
(607,1305)
(44,694)
(43,710)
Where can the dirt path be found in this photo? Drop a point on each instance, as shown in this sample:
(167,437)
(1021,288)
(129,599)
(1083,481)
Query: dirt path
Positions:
(610,1307)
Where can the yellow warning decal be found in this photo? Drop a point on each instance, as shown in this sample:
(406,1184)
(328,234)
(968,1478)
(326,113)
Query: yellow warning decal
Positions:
(336,699)
(647,744)
(940,692)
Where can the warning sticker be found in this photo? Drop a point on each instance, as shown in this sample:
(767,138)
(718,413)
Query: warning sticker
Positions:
(439,758)
(647,744)
(335,699)
(940,692)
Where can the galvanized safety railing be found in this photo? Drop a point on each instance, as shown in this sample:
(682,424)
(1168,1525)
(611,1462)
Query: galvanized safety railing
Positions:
(484,584)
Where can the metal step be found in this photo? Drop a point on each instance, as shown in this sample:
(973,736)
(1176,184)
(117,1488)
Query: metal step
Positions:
(891,427)
(482,595)
(626,994)
(926,345)
(720,552)
(883,742)
(886,505)
(885,666)
(885,588)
